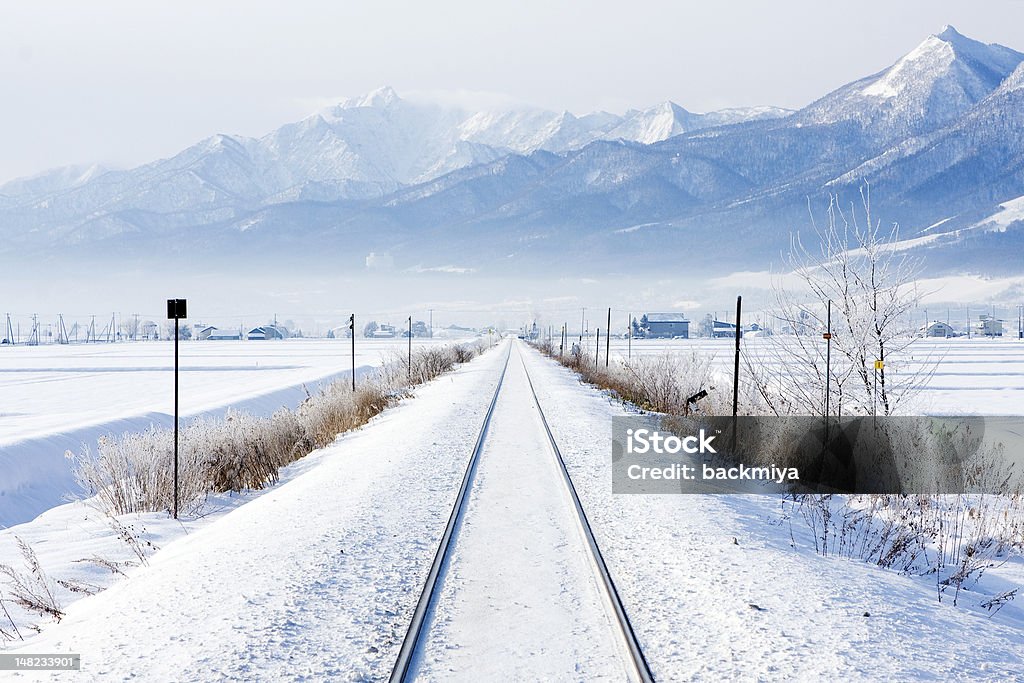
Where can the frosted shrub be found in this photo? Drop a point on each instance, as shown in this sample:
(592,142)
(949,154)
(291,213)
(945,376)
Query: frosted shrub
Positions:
(953,537)
(659,383)
(338,410)
(665,381)
(134,472)
(427,363)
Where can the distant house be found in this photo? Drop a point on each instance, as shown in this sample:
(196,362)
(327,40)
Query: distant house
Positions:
(721,329)
(385,331)
(666,326)
(938,329)
(419,329)
(988,326)
(149,330)
(267,332)
(757,330)
(216,334)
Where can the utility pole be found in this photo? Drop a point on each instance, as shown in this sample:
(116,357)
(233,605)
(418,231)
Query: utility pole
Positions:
(629,335)
(736,376)
(874,394)
(597,352)
(410,349)
(828,359)
(608,339)
(828,365)
(736,365)
(352,328)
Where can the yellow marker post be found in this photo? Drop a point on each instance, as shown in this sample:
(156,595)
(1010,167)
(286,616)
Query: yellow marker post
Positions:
(879,365)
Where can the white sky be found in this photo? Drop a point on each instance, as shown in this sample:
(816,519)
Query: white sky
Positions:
(129,81)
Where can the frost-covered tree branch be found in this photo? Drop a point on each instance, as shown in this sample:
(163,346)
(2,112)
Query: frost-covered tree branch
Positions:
(871,284)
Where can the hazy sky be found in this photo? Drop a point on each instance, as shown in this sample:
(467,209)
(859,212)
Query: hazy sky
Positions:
(127,82)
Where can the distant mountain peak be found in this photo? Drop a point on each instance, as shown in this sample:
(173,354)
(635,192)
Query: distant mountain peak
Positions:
(975,67)
(940,79)
(949,33)
(382,97)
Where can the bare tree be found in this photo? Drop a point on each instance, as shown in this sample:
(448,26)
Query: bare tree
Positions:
(871,284)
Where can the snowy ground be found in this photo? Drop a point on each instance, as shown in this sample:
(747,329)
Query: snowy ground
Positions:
(717,592)
(56,398)
(314,579)
(496,618)
(971,376)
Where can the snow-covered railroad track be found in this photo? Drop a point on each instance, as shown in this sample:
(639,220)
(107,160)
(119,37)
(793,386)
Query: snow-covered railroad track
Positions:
(518,587)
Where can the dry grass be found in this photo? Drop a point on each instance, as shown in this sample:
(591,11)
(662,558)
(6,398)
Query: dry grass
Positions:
(134,472)
(660,383)
(31,589)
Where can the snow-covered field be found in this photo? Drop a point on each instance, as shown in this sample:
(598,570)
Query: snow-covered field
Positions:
(971,376)
(312,579)
(333,558)
(56,398)
(730,587)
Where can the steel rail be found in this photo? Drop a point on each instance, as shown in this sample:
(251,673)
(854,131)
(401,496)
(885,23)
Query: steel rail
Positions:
(641,668)
(407,653)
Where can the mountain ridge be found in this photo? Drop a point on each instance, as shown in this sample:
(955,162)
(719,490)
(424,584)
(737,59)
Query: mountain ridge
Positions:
(937,134)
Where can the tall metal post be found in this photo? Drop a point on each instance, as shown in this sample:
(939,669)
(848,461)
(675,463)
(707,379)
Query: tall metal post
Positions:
(410,349)
(629,335)
(828,366)
(736,365)
(828,359)
(874,393)
(352,327)
(176,311)
(176,337)
(608,339)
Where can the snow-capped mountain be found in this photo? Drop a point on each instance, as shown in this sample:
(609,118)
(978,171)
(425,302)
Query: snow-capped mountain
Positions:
(53,180)
(362,148)
(930,86)
(938,135)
